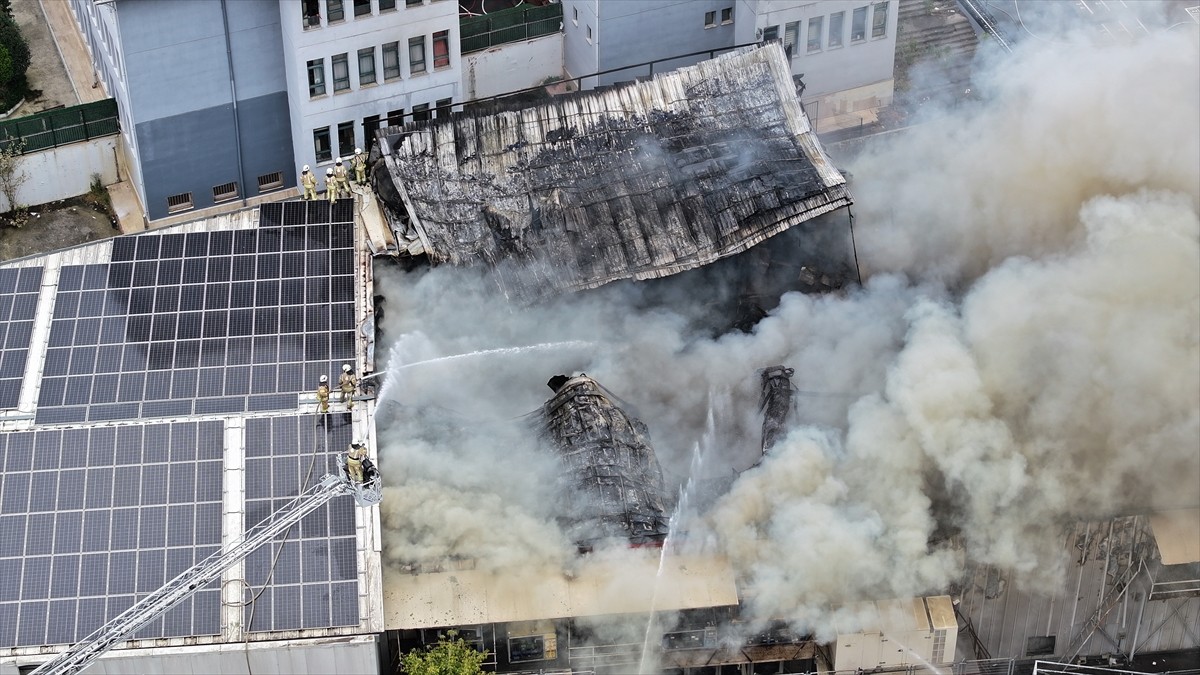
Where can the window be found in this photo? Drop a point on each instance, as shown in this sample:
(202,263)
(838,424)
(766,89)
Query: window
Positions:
(366,66)
(443,107)
(858,29)
(589,34)
(316,77)
(362,7)
(710,19)
(770,33)
(791,35)
(179,202)
(727,15)
(345,139)
(321,146)
(370,126)
(341,72)
(413,3)
(391,60)
(441,49)
(1039,645)
(835,29)
(223,193)
(270,181)
(420,112)
(335,10)
(395,118)
(815,25)
(879,20)
(416,55)
(311,13)
(387,5)
(575,15)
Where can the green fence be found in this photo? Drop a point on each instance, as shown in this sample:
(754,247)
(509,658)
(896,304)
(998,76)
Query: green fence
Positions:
(523,22)
(52,128)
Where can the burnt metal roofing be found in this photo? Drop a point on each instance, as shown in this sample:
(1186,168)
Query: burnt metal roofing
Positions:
(638,181)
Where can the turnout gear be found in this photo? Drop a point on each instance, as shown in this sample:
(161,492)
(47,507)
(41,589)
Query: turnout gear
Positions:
(309,184)
(323,395)
(348,385)
(354,462)
(331,185)
(360,167)
(341,177)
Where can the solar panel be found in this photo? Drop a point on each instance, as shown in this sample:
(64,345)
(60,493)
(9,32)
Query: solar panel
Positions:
(19,289)
(94,518)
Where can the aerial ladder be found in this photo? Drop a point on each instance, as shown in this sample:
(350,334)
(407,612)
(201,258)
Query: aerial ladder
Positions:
(83,653)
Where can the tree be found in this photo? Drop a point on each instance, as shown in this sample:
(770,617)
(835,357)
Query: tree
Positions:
(6,66)
(18,50)
(452,655)
(11,174)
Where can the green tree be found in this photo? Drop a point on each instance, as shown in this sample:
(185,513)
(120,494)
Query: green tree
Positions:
(6,66)
(450,656)
(12,40)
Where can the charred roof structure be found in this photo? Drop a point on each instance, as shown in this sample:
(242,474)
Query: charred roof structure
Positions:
(614,483)
(639,181)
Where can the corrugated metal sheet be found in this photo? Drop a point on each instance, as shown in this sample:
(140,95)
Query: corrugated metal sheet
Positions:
(639,181)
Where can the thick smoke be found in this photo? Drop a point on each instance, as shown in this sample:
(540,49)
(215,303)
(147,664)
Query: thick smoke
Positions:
(1025,353)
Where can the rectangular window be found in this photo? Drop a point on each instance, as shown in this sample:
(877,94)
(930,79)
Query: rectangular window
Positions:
(879,20)
(710,19)
(858,25)
(316,77)
(589,34)
(362,7)
(366,66)
(791,35)
(575,15)
(395,118)
(835,29)
(324,151)
(727,15)
(443,107)
(815,25)
(311,11)
(387,5)
(223,193)
(416,55)
(335,11)
(770,33)
(391,60)
(179,202)
(413,3)
(341,72)
(441,49)
(270,181)
(370,126)
(345,139)
(420,112)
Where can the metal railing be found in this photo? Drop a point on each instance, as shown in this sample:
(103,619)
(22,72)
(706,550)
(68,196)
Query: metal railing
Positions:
(52,128)
(516,24)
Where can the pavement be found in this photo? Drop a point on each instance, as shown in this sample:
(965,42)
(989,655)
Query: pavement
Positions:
(74,56)
(48,80)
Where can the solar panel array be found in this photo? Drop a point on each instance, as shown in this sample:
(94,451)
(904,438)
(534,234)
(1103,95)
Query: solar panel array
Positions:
(94,518)
(101,507)
(306,579)
(200,323)
(18,304)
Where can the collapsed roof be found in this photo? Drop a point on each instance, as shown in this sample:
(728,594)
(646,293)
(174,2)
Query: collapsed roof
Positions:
(638,181)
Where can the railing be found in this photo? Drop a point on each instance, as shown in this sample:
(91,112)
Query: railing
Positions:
(52,128)
(516,24)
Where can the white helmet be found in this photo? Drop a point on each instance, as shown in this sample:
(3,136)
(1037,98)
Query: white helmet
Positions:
(358,151)
(324,379)
(305,167)
(329,171)
(345,367)
(339,160)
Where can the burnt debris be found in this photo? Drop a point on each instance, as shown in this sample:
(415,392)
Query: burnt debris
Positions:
(612,482)
(776,403)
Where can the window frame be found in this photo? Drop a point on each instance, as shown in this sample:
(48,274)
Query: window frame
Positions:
(370,125)
(859,13)
(397,115)
(334,7)
(791,36)
(590,38)
(356,5)
(388,73)
(841,24)
(726,16)
(408,4)
(413,63)
(422,112)
(229,193)
(575,15)
(322,156)
(342,59)
(364,73)
(307,15)
(770,33)
(387,6)
(443,108)
(879,27)
(710,19)
(442,61)
(345,145)
(318,82)
(819,23)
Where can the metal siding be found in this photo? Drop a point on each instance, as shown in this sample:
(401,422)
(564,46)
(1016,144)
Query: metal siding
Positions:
(266,140)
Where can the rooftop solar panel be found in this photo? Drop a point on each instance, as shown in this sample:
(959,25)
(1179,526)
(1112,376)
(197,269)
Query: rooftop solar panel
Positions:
(18,305)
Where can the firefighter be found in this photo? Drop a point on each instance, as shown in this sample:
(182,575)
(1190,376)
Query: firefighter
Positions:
(354,462)
(360,167)
(347,384)
(309,182)
(342,178)
(323,394)
(331,185)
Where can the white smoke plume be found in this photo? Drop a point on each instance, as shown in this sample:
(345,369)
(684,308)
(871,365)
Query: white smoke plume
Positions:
(1025,352)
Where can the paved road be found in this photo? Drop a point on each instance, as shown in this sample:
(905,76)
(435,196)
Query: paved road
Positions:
(46,71)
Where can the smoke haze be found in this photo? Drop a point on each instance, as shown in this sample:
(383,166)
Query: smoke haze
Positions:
(1024,353)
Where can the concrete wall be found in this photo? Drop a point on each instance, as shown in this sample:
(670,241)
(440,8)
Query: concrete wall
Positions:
(373,30)
(580,55)
(65,171)
(633,31)
(512,66)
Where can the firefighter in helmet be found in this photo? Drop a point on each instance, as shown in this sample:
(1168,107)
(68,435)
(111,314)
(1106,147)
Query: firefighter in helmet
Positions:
(354,462)
(323,394)
(342,178)
(309,182)
(331,185)
(360,167)
(347,384)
